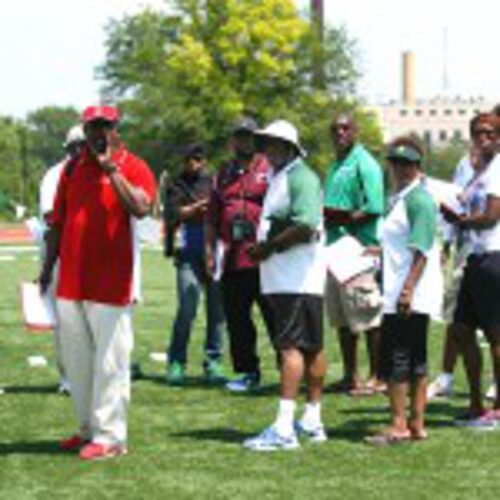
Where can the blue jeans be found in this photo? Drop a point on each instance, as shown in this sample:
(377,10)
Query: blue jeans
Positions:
(191,278)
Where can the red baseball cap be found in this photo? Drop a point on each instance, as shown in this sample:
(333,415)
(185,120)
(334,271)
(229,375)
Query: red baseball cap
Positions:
(108,113)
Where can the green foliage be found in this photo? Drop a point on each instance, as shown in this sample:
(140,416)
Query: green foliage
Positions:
(188,74)
(10,159)
(48,127)
(28,147)
(442,161)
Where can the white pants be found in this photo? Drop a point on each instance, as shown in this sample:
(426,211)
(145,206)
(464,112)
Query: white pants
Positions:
(51,294)
(97,341)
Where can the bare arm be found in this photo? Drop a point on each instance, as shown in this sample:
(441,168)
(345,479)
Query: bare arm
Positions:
(52,241)
(290,237)
(406,295)
(133,199)
(484,220)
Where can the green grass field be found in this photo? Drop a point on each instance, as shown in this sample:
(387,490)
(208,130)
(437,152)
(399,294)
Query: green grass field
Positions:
(185,442)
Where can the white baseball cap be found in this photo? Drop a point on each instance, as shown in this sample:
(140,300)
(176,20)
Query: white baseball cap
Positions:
(75,134)
(284,130)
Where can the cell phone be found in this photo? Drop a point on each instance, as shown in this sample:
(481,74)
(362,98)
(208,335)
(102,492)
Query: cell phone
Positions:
(100,145)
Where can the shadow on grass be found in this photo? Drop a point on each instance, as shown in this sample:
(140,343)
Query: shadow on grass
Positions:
(222,434)
(31,389)
(31,448)
(189,383)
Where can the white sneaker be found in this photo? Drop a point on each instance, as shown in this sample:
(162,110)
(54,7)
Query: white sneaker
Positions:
(315,434)
(64,387)
(442,387)
(270,440)
(491,393)
(246,383)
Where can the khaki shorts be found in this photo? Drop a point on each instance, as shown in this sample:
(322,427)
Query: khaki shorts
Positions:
(356,304)
(451,293)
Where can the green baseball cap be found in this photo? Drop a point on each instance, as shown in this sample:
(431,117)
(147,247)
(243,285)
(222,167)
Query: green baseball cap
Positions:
(404,152)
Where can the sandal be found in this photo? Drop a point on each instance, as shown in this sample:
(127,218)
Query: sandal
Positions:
(388,438)
(370,388)
(418,434)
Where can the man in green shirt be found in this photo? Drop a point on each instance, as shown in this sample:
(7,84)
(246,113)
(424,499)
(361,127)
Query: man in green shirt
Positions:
(354,203)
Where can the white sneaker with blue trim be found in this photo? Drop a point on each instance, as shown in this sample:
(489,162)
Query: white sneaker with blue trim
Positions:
(270,440)
(315,434)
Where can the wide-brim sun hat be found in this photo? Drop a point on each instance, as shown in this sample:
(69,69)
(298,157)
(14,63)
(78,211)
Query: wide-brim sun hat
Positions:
(285,131)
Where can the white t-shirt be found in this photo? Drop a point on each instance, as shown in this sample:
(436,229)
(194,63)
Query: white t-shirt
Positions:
(475,197)
(293,196)
(48,189)
(410,225)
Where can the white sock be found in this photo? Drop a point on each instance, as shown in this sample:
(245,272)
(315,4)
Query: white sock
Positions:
(284,420)
(312,414)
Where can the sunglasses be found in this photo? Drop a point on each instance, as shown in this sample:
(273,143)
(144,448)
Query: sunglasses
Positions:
(490,134)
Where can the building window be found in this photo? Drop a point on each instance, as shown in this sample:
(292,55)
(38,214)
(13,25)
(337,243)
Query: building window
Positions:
(403,112)
(433,112)
(457,135)
(427,137)
(443,135)
(447,112)
(418,112)
(462,112)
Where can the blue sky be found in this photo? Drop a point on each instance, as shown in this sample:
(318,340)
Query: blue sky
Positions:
(49,49)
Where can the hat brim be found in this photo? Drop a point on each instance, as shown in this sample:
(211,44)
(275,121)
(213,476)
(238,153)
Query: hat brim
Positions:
(264,134)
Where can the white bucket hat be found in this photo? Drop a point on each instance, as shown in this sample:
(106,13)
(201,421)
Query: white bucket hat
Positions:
(284,130)
(75,134)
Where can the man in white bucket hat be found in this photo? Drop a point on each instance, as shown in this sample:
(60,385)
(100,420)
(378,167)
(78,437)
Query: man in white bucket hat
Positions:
(289,250)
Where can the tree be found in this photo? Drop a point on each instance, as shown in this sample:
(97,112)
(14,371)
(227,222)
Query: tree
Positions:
(48,127)
(442,161)
(188,74)
(10,159)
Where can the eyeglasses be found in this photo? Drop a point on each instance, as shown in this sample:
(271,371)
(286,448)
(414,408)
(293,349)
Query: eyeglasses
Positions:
(490,134)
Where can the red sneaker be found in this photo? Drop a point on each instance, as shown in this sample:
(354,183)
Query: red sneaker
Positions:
(98,451)
(73,443)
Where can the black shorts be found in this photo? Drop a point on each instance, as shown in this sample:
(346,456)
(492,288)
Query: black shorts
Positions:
(478,301)
(298,321)
(403,347)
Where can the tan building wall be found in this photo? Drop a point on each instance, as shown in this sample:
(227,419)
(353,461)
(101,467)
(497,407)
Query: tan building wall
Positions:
(437,120)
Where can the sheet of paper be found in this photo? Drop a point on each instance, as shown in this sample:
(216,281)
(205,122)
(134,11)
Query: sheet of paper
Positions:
(219,257)
(444,192)
(346,259)
(38,310)
(36,229)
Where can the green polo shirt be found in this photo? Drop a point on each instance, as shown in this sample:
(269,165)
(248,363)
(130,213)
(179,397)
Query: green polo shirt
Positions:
(356,183)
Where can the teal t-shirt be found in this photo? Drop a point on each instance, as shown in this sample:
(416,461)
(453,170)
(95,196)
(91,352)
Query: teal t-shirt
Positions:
(422,219)
(304,199)
(356,183)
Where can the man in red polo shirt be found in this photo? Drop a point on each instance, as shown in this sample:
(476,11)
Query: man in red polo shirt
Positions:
(90,231)
(233,215)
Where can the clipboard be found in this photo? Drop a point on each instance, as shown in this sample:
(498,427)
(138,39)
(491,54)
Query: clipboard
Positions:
(39,314)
